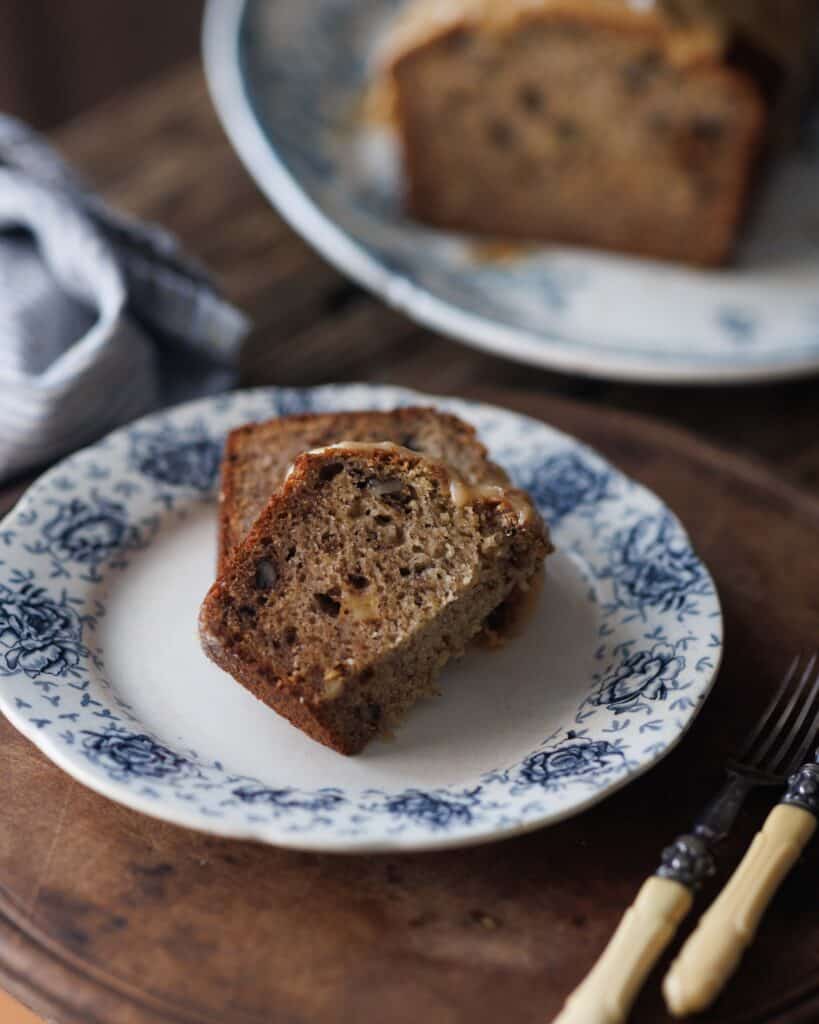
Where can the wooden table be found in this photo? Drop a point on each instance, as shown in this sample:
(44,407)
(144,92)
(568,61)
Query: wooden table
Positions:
(160,154)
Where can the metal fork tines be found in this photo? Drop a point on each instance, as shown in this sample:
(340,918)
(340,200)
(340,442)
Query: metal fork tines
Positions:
(775,746)
(769,745)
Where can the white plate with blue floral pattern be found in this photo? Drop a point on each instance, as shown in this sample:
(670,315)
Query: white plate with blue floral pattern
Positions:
(287,80)
(105,560)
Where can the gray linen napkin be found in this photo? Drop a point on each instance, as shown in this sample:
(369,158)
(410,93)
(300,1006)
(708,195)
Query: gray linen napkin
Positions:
(102,318)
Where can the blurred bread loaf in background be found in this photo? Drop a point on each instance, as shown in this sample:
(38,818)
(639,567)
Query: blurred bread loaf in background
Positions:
(632,125)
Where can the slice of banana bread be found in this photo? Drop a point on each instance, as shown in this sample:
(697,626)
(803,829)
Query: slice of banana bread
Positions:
(621,125)
(258,455)
(369,569)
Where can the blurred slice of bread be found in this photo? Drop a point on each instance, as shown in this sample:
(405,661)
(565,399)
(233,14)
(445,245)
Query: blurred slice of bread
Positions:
(621,124)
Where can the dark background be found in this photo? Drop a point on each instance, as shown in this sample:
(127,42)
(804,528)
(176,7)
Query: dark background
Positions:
(60,57)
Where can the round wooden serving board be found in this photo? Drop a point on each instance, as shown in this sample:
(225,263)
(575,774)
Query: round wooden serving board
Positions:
(108,916)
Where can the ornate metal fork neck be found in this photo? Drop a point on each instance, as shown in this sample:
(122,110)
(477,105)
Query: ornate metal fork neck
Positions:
(688,860)
(803,788)
(716,821)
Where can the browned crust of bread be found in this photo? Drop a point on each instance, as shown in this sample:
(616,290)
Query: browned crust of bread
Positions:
(229,534)
(715,248)
(225,540)
(288,698)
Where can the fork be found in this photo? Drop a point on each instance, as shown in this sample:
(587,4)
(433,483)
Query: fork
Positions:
(714,949)
(775,746)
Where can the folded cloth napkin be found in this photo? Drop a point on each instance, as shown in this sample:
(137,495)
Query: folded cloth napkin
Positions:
(102,318)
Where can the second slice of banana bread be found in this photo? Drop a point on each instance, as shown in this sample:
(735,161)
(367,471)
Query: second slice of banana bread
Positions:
(258,455)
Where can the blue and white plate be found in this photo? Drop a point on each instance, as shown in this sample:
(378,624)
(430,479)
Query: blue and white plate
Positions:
(105,560)
(287,80)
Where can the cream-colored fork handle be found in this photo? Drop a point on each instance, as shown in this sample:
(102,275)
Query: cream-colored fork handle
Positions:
(714,949)
(606,995)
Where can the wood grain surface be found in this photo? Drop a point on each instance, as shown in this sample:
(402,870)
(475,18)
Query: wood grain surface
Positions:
(108,916)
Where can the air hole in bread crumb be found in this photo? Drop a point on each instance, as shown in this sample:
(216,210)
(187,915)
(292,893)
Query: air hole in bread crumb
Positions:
(394,535)
(327,605)
(530,98)
(457,40)
(567,129)
(383,520)
(637,74)
(707,129)
(404,570)
(389,485)
(500,134)
(291,552)
(399,499)
(266,574)
(331,470)
(358,581)
(291,635)
(454,98)
(659,123)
